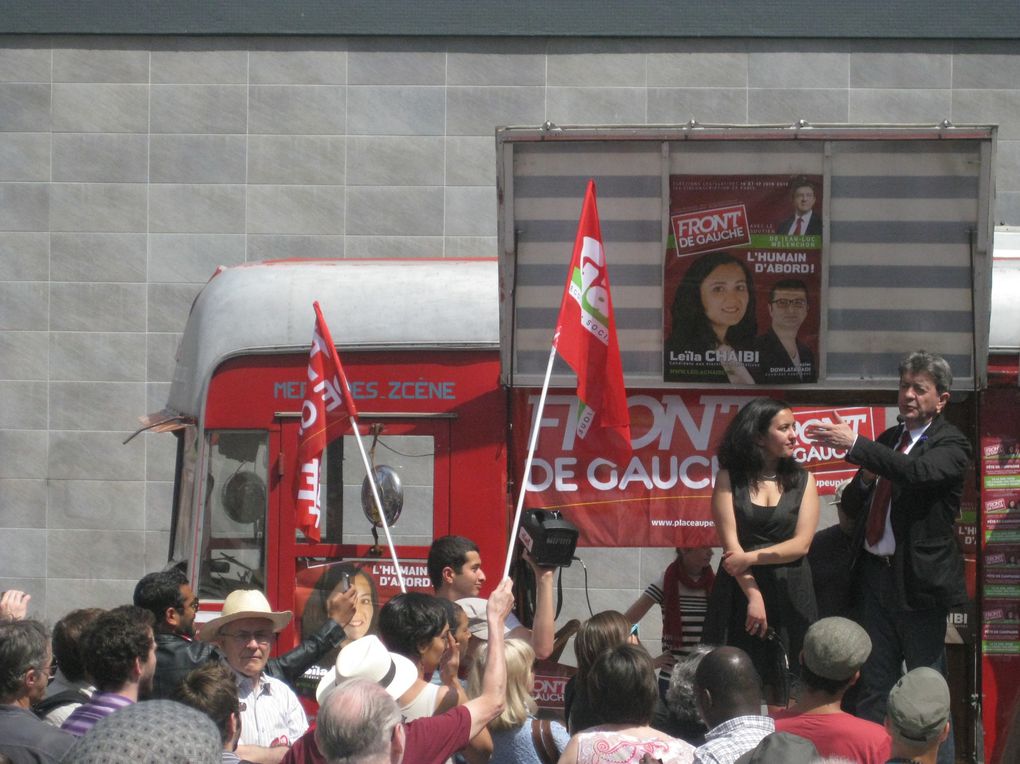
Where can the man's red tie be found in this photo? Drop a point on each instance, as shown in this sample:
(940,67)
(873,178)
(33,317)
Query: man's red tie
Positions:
(880,499)
(798,227)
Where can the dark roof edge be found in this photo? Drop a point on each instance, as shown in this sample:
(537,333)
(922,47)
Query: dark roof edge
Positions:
(869,19)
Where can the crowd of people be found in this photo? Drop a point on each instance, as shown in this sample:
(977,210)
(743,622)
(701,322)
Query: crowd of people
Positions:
(758,663)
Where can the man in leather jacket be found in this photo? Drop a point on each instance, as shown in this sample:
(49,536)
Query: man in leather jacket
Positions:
(168,595)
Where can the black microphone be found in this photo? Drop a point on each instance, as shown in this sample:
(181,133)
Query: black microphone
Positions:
(900,419)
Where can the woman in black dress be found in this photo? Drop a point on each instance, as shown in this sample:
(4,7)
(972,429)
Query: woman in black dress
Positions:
(765,507)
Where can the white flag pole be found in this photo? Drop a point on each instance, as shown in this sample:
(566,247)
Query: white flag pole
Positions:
(378,502)
(535,427)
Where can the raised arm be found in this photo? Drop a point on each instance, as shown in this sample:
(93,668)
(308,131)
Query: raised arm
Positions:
(14,605)
(946,462)
(291,665)
(479,747)
(542,635)
(639,609)
(492,701)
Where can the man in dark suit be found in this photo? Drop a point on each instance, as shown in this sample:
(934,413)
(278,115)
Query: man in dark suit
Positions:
(907,555)
(804,221)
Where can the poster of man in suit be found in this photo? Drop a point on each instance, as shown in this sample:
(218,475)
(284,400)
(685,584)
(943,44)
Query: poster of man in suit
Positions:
(806,219)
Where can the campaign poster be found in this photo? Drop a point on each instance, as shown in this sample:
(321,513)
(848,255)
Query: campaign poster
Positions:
(663,495)
(376,582)
(742,279)
(1000,463)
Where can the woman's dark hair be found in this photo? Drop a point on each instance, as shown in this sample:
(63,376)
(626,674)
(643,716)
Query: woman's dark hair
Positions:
(621,686)
(599,633)
(739,451)
(690,327)
(316,611)
(409,621)
(453,612)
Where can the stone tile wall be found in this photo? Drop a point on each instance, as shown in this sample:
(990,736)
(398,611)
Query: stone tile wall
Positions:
(131,167)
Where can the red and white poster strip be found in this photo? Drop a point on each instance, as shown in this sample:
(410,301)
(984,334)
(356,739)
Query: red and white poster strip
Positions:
(1000,580)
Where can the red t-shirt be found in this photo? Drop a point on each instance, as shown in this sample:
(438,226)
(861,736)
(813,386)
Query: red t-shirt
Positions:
(430,740)
(839,734)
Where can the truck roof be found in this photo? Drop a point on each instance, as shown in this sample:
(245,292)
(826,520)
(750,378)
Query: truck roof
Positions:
(266,307)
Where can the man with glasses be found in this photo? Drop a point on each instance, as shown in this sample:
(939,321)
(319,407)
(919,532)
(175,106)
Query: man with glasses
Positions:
(26,665)
(120,656)
(782,358)
(169,597)
(271,714)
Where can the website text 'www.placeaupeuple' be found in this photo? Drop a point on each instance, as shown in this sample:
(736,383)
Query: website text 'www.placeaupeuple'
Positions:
(681,522)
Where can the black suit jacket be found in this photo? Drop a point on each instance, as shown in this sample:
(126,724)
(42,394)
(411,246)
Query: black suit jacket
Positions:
(775,365)
(814,226)
(927,485)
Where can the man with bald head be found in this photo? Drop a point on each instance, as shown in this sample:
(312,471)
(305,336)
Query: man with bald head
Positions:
(727,690)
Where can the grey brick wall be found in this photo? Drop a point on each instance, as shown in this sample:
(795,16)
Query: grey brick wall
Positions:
(131,167)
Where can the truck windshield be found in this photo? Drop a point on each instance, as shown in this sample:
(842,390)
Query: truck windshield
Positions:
(234,538)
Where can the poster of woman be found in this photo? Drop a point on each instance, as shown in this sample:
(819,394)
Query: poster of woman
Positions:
(742,279)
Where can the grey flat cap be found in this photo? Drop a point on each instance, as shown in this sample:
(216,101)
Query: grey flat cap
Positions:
(836,648)
(919,705)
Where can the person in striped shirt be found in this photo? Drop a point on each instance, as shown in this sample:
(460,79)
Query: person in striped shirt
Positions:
(120,655)
(682,592)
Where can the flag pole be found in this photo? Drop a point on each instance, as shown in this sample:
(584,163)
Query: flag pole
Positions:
(378,501)
(536,426)
(328,340)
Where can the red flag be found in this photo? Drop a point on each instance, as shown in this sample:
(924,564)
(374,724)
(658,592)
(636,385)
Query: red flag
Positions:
(327,407)
(586,339)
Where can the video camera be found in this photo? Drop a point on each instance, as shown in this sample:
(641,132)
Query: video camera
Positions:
(549,538)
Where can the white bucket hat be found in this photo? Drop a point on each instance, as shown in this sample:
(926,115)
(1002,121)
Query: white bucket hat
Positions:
(244,603)
(368,658)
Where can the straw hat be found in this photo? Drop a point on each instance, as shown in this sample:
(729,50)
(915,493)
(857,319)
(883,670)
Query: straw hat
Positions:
(368,658)
(244,603)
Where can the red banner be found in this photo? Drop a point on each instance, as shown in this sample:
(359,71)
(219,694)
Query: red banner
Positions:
(586,339)
(662,495)
(324,414)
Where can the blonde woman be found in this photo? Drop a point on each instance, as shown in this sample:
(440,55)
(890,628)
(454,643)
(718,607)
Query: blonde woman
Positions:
(517,736)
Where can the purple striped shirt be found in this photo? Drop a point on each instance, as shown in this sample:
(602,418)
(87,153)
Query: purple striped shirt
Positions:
(85,716)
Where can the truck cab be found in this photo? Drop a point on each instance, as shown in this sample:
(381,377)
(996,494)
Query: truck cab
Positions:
(419,342)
